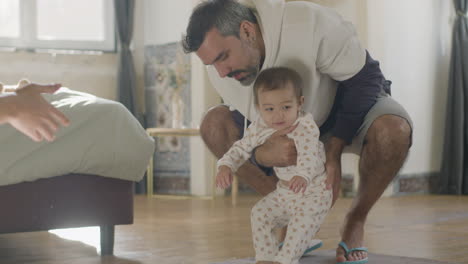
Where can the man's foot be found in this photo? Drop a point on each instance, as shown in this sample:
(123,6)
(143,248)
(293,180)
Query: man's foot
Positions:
(352,236)
(349,251)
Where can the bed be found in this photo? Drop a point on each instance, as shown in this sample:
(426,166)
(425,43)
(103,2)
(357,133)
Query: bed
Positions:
(84,178)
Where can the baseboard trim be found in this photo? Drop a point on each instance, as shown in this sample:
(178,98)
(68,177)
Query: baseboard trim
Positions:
(403,184)
(416,183)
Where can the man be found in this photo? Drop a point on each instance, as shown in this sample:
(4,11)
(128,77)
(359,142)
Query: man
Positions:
(29,113)
(344,90)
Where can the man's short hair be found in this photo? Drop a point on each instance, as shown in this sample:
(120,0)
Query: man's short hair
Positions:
(277,78)
(224,15)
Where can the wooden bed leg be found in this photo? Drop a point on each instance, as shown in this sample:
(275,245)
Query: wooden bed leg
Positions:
(107,239)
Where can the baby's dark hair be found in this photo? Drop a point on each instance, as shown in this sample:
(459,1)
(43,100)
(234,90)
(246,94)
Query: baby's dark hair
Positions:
(277,78)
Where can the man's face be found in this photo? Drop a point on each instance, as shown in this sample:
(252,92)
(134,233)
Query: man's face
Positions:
(231,57)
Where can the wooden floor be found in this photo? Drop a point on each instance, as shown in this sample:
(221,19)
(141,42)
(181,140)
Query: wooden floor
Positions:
(204,231)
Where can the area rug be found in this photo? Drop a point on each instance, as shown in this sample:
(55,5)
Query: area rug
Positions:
(328,257)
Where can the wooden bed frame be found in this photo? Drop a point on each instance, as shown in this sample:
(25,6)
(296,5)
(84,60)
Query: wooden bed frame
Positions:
(74,200)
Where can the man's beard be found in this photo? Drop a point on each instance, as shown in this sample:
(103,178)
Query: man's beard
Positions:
(249,78)
(254,68)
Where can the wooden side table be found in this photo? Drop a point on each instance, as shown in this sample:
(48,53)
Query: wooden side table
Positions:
(184,132)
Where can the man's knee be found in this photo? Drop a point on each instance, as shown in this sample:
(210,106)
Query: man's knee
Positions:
(390,131)
(215,119)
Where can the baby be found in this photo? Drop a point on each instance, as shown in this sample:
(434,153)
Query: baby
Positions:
(301,200)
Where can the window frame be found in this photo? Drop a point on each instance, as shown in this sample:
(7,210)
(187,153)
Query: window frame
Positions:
(28,33)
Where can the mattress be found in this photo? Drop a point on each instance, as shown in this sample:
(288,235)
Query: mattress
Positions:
(103,139)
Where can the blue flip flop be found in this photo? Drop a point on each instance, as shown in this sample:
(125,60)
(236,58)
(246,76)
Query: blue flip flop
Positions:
(349,251)
(312,248)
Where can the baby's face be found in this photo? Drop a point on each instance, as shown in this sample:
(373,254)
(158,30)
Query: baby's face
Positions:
(279,108)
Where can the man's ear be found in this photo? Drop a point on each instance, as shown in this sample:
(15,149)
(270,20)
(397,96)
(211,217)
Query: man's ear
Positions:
(247,31)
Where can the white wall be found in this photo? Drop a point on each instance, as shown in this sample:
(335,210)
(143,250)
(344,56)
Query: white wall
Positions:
(94,74)
(165,20)
(411,39)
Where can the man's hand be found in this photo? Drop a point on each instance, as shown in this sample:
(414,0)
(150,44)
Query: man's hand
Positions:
(32,115)
(333,180)
(334,149)
(298,184)
(224,177)
(278,150)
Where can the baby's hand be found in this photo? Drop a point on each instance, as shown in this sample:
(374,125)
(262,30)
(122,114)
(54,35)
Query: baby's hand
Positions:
(297,184)
(224,177)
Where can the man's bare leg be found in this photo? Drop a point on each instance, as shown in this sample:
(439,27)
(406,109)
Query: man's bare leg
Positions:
(385,149)
(219,132)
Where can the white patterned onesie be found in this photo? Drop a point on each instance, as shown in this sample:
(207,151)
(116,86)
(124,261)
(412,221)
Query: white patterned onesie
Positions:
(303,213)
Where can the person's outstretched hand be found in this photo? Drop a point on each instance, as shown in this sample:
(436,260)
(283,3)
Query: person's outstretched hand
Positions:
(278,150)
(32,115)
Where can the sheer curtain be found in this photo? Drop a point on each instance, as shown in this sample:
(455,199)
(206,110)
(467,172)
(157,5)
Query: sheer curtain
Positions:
(124,14)
(454,171)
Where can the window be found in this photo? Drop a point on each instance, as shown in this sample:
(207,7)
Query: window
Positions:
(57,24)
